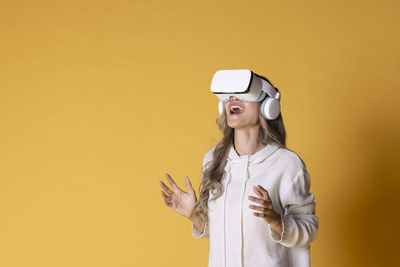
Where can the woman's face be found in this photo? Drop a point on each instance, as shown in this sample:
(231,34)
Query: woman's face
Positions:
(247,116)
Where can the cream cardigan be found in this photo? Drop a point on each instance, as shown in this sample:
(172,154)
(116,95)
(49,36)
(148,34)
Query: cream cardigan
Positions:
(240,239)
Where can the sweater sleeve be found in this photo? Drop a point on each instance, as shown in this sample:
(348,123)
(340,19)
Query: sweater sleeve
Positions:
(299,222)
(195,231)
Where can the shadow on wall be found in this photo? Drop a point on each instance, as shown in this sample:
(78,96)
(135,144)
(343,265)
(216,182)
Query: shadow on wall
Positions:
(370,215)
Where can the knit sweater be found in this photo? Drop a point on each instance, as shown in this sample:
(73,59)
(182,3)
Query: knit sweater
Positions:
(237,237)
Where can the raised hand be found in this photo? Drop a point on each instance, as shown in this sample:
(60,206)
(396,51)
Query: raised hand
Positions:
(267,211)
(177,199)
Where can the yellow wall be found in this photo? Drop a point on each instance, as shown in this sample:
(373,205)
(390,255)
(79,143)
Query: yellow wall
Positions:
(98,99)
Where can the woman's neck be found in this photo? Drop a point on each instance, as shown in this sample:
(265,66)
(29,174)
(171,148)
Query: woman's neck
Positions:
(246,141)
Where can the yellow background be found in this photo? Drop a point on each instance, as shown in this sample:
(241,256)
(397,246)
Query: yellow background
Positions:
(99,99)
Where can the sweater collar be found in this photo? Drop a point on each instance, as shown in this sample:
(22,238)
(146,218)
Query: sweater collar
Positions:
(255,158)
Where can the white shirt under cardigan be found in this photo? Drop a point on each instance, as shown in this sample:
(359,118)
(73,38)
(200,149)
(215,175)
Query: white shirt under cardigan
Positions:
(240,239)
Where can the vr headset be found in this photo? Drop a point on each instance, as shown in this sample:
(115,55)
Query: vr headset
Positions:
(248,87)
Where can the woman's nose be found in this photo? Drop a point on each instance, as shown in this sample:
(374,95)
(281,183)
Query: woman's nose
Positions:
(234,98)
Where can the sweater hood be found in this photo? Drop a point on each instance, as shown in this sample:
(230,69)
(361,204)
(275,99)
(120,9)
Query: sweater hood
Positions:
(259,156)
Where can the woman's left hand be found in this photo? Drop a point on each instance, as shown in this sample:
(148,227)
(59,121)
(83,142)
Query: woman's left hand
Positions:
(272,217)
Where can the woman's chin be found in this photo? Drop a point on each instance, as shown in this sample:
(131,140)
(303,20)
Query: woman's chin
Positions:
(234,124)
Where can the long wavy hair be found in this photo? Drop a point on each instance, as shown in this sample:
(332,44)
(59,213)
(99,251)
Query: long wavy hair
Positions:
(271,132)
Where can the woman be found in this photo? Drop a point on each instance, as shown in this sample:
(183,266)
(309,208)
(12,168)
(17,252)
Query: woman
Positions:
(254,203)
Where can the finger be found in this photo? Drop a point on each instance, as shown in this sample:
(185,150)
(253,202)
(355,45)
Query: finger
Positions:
(168,204)
(165,196)
(260,208)
(189,185)
(171,182)
(256,199)
(166,188)
(166,200)
(261,201)
(258,192)
(264,192)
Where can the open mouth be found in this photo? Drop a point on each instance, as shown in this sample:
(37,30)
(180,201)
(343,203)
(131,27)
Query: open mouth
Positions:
(236,109)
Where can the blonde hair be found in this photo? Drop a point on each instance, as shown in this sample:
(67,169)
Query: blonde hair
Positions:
(271,132)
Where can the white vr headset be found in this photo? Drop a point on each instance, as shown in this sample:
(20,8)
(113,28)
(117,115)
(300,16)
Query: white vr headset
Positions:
(247,86)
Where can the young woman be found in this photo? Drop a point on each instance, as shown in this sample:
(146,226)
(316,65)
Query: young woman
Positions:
(254,205)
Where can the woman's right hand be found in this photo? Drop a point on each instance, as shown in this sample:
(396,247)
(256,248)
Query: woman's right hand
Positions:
(179,200)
